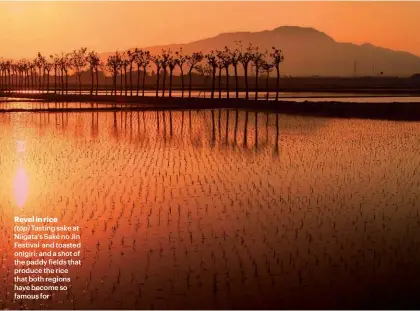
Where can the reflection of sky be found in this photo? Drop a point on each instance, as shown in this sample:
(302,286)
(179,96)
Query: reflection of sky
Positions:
(20,183)
(20,146)
(20,186)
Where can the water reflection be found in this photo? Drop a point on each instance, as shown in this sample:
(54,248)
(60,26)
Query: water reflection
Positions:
(240,130)
(20,182)
(194,219)
(21,186)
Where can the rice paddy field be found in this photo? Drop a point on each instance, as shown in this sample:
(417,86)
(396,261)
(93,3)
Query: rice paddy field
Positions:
(218,209)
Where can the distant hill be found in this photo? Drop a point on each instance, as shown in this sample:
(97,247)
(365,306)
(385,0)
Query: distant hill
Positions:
(309,52)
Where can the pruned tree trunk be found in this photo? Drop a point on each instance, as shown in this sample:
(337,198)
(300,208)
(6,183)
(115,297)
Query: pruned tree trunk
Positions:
(48,82)
(91,81)
(144,79)
(277,83)
(97,80)
(157,82)
(115,83)
(170,82)
(256,83)
(67,82)
(190,82)
(55,80)
(266,85)
(138,79)
(227,82)
(220,82)
(213,83)
(125,81)
(164,83)
(182,83)
(121,83)
(131,80)
(80,82)
(246,82)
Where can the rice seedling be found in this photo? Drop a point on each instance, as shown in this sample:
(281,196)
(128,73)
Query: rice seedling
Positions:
(202,214)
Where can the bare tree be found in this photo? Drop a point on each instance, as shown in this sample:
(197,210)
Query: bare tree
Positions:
(47,67)
(245,58)
(132,56)
(181,59)
(1,74)
(113,63)
(267,68)
(32,70)
(14,68)
(27,74)
(94,61)
(146,58)
(39,62)
(20,69)
(219,61)
(55,59)
(158,61)
(138,60)
(165,62)
(9,64)
(6,77)
(212,61)
(66,64)
(205,71)
(277,59)
(172,63)
(234,59)
(104,69)
(258,62)
(79,61)
(192,62)
(124,62)
(226,60)
(2,86)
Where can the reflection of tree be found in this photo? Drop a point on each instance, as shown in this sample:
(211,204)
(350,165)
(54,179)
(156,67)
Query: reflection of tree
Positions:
(276,144)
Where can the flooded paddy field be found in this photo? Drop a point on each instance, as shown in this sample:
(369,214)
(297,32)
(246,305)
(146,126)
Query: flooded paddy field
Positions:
(219,208)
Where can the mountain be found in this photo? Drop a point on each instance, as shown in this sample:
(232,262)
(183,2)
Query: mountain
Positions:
(308,52)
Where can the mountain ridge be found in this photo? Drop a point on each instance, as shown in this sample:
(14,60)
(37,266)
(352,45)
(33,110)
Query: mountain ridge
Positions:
(309,52)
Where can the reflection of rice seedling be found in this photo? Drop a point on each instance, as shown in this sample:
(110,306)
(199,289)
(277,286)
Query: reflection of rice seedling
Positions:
(207,223)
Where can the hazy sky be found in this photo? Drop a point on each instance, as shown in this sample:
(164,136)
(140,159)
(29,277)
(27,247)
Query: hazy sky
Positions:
(49,27)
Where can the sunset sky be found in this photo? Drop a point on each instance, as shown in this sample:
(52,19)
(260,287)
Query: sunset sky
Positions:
(50,27)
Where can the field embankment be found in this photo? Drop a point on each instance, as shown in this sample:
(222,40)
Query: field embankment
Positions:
(389,110)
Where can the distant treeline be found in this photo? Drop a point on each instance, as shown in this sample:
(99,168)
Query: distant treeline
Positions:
(134,71)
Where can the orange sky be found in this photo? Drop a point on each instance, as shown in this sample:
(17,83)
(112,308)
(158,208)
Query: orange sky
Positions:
(50,27)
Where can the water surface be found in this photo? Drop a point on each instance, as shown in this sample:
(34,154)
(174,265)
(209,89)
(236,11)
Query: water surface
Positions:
(219,208)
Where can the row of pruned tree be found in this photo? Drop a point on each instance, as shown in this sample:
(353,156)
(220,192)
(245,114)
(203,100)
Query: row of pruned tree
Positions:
(36,74)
